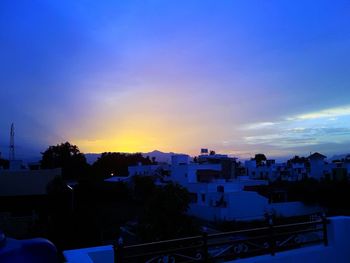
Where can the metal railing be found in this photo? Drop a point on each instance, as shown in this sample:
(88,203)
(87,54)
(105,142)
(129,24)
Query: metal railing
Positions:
(226,246)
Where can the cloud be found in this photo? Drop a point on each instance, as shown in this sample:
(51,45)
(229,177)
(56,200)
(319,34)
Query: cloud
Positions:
(259,125)
(331,114)
(328,126)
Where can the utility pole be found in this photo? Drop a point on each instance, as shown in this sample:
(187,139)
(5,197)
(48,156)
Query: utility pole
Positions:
(12,143)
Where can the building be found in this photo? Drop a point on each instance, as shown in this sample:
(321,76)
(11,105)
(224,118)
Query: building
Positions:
(218,192)
(317,166)
(161,169)
(265,170)
(25,182)
(23,198)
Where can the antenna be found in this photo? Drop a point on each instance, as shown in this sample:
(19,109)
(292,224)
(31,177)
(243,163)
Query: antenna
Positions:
(12,143)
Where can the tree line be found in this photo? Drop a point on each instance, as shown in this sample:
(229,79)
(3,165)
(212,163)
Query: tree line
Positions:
(74,164)
(101,208)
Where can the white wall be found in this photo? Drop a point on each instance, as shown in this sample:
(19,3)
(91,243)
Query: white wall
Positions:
(250,167)
(187,173)
(317,167)
(244,205)
(241,205)
(179,174)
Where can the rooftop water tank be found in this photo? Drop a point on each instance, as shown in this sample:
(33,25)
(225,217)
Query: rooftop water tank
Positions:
(37,250)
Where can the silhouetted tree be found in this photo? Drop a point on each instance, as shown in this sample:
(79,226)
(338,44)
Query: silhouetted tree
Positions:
(259,158)
(65,156)
(60,211)
(116,164)
(144,188)
(4,163)
(165,215)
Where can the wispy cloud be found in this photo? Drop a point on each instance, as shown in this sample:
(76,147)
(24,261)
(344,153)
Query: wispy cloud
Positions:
(259,125)
(331,114)
(303,130)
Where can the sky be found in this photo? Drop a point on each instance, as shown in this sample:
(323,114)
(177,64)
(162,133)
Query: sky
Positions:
(238,77)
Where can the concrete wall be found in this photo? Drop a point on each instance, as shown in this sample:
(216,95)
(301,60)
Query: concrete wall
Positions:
(317,167)
(241,205)
(244,205)
(288,209)
(179,174)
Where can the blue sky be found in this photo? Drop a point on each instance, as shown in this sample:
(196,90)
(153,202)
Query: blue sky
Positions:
(240,77)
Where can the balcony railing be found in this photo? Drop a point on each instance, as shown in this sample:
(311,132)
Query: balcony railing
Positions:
(226,246)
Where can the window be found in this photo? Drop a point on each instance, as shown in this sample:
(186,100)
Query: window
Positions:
(203,197)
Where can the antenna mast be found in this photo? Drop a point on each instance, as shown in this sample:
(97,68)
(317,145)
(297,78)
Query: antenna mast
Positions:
(12,143)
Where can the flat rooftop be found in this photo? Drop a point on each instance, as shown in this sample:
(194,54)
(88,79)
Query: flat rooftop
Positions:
(337,250)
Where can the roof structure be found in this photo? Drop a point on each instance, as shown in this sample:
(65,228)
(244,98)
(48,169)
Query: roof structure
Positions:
(317,155)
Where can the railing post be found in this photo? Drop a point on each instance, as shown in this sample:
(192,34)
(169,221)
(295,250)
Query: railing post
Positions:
(272,236)
(325,232)
(205,244)
(119,251)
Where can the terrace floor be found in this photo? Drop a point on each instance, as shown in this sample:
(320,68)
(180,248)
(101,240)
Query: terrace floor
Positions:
(338,249)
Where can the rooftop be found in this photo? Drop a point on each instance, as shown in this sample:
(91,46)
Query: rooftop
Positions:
(334,248)
(317,155)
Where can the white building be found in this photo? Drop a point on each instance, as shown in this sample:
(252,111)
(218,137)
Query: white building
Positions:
(183,171)
(266,170)
(222,200)
(317,166)
(208,168)
(298,171)
(213,197)
(218,192)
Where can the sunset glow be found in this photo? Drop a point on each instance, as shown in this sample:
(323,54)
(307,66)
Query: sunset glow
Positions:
(239,77)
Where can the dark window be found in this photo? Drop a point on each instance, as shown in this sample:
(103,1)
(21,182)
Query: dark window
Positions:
(193,198)
(220,189)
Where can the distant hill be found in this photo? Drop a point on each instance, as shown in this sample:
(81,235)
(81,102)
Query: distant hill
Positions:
(338,157)
(160,156)
(92,157)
